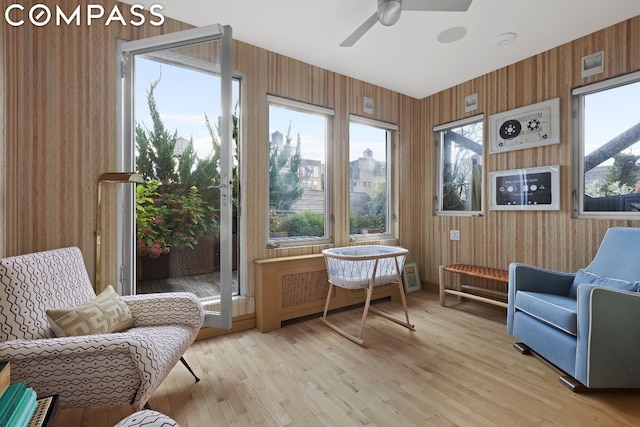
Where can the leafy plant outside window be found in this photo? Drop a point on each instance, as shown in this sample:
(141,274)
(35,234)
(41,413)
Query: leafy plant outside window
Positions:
(176,205)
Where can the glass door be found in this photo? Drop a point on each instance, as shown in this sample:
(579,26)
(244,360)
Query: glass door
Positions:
(176,130)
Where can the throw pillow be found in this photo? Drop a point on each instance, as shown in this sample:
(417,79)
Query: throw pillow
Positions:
(105,314)
(583,276)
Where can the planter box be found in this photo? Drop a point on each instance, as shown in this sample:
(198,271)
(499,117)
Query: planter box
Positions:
(202,259)
(153,268)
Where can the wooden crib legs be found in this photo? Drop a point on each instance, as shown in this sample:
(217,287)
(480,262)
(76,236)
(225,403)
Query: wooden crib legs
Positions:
(367,307)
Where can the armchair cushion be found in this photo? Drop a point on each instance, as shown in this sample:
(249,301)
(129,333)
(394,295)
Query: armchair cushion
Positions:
(106,313)
(555,310)
(583,276)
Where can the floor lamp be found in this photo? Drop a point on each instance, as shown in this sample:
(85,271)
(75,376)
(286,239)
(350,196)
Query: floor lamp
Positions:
(113,177)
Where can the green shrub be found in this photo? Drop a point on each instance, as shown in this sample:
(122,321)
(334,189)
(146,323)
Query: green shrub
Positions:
(358,222)
(304,224)
(171,216)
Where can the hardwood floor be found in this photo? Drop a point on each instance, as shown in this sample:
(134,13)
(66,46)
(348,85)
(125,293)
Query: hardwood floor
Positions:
(457,368)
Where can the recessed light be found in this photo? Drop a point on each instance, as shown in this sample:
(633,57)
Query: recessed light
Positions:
(452,34)
(504,39)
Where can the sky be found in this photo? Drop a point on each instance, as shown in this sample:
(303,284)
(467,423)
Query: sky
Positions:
(183,97)
(608,114)
(311,128)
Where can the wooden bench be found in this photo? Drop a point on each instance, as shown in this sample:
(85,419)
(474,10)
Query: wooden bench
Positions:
(467,291)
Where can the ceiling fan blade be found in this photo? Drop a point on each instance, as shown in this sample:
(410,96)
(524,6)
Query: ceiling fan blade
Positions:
(437,5)
(360,31)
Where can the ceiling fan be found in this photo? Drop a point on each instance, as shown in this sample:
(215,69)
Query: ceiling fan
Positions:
(388,13)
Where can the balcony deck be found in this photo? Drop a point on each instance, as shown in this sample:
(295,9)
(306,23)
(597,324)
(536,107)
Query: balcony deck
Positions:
(205,286)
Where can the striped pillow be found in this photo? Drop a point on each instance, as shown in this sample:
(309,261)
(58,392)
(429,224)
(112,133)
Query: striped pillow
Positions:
(105,314)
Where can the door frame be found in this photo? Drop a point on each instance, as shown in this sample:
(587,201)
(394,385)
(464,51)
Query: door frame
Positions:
(126,251)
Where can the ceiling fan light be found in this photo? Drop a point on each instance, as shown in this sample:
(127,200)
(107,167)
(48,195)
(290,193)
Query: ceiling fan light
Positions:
(389,11)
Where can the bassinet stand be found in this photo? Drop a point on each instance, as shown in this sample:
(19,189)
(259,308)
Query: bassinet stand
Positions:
(359,267)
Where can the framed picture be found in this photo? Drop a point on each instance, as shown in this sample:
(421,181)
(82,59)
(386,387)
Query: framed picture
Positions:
(411,278)
(526,189)
(531,126)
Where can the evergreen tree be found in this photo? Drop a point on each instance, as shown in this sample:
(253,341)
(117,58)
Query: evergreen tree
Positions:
(622,171)
(284,177)
(155,147)
(186,162)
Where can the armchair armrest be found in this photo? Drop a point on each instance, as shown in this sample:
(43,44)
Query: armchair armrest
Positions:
(607,349)
(172,308)
(67,346)
(523,277)
(528,278)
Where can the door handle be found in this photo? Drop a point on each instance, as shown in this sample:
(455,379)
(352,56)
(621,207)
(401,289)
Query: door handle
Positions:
(222,187)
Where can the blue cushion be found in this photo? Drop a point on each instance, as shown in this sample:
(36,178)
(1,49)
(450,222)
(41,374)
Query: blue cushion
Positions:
(555,310)
(583,276)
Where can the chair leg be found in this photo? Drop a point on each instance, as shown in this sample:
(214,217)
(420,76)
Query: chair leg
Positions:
(522,347)
(572,384)
(184,362)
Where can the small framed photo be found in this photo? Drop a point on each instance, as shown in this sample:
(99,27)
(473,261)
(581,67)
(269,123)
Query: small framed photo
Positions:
(526,189)
(411,278)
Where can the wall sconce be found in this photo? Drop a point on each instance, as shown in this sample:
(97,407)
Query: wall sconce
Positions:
(113,177)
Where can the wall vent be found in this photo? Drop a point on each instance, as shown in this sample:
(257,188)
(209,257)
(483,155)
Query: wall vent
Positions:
(306,287)
(593,64)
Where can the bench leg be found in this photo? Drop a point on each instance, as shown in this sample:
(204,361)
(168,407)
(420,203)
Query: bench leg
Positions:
(441,284)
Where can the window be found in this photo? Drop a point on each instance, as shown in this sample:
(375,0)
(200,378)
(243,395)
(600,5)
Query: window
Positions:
(460,178)
(298,202)
(607,148)
(370,177)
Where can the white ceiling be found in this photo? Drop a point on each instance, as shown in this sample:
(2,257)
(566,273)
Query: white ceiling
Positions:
(406,57)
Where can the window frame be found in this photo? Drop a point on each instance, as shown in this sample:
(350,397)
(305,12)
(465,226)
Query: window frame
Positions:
(329,114)
(391,216)
(578,95)
(438,132)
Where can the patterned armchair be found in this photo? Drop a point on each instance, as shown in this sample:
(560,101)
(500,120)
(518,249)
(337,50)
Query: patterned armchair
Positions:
(103,369)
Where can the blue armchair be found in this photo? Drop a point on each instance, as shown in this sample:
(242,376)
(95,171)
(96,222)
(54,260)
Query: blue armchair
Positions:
(586,323)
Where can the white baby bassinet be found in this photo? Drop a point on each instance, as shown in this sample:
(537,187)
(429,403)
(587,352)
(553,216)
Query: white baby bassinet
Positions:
(354,267)
(359,267)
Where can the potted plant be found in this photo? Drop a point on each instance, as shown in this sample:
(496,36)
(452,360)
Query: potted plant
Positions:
(173,218)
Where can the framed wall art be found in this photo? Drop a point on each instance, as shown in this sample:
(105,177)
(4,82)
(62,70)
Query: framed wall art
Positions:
(411,278)
(531,126)
(526,189)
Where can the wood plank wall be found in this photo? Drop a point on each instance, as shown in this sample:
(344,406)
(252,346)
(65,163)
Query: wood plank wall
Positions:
(548,239)
(59,135)
(60,131)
